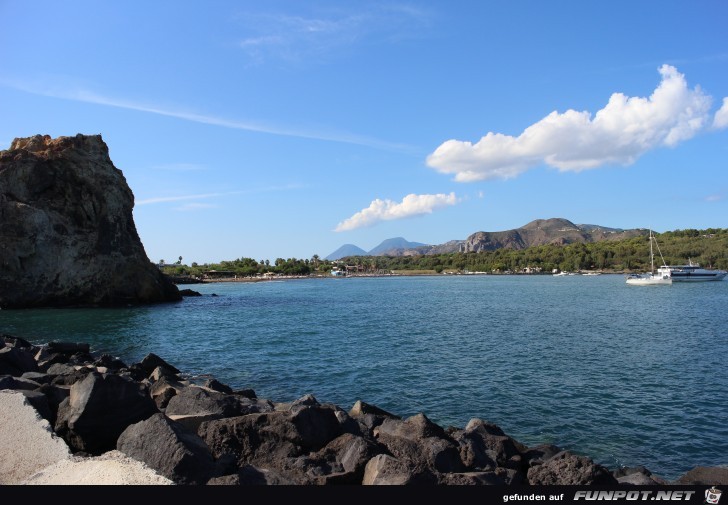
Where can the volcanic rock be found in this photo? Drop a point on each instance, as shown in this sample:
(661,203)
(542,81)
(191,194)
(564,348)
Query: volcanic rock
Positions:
(386,470)
(99,409)
(569,469)
(170,449)
(16,361)
(67,234)
(705,475)
(421,444)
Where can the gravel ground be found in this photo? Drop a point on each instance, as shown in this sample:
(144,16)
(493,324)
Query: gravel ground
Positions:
(110,468)
(30,453)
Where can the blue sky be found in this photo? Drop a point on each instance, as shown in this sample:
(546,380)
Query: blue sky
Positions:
(287,128)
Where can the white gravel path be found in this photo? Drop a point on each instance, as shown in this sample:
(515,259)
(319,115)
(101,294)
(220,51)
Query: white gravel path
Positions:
(30,453)
(27,443)
(111,468)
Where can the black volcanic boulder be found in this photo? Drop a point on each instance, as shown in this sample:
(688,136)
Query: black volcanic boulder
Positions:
(99,408)
(421,444)
(705,475)
(567,469)
(67,234)
(69,348)
(272,439)
(17,383)
(193,405)
(169,448)
(484,445)
(341,461)
(15,341)
(16,361)
(369,416)
(262,439)
(151,361)
(384,470)
(317,425)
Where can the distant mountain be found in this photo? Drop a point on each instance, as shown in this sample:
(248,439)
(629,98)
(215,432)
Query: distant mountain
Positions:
(393,245)
(543,232)
(346,250)
(389,247)
(452,246)
(592,227)
(539,232)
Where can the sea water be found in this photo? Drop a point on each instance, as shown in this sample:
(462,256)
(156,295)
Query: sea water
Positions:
(628,375)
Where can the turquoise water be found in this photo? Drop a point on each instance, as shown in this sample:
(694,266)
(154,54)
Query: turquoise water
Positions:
(626,375)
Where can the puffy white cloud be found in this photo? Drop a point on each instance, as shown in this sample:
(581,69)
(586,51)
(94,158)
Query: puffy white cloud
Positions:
(621,132)
(388,210)
(721,117)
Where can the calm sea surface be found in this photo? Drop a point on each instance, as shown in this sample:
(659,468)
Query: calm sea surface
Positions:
(627,375)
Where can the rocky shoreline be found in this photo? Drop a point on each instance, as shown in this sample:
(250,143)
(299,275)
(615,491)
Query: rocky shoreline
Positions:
(194,432)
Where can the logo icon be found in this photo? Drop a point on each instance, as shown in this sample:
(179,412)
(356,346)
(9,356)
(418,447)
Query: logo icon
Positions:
(712,496)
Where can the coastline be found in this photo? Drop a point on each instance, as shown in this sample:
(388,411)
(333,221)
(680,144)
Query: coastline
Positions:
(395,273)
(207,433)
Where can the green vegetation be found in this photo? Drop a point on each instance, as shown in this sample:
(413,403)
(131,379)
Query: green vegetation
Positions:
(248,267)
(708,247)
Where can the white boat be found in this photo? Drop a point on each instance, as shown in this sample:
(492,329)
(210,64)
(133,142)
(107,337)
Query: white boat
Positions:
(692,272)
(661,278)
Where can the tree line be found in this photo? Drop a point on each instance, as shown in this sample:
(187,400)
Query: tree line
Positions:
(709,247)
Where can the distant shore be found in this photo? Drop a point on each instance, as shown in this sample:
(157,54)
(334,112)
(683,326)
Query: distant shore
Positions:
(394,273)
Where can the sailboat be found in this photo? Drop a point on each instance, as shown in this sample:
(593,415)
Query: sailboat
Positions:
(662,278)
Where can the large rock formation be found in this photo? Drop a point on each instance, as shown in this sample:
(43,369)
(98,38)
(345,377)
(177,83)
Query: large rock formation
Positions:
(67,235)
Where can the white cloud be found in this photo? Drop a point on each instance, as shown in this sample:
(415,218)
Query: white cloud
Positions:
(180,167)
(625,129)
(721,117)
(388,210)
(203,196)
(714,198)
(195,206)
(71,92)
(319,33)
(164,199)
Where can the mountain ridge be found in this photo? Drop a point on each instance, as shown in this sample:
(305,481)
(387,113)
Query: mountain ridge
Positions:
(390,245)
(558,231)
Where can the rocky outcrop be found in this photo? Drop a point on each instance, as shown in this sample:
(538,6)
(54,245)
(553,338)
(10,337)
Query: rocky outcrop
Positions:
(544,232)
(210,433)
(67,235)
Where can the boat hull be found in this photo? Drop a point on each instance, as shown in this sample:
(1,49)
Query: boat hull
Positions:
(692,273)
(649,281)
(677,277)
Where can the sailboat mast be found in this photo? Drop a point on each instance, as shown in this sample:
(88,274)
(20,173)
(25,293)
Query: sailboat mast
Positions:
(652,256)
